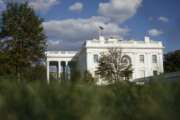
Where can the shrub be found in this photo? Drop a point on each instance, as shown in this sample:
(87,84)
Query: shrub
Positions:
(37,100)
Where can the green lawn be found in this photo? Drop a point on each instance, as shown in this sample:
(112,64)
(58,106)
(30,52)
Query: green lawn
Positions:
(157,100)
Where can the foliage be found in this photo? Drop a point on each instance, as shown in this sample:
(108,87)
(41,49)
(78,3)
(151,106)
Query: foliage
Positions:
(127,73)
(172,61)
(88,78)
(113,66)
(22,39)
(37,100)
(34,73)
(5,68)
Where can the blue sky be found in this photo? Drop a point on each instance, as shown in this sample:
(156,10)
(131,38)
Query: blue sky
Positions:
(68,23)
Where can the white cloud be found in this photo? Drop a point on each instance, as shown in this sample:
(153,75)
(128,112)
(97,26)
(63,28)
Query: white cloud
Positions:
(119,10)
(38,5)
(73,32)
(163,19)
(155,32)
(76,7)
(42,5)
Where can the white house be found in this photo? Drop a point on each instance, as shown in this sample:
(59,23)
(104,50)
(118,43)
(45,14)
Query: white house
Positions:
(145,56)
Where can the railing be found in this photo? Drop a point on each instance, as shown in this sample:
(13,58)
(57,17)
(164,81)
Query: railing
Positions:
(139,42)
(121,41)
(61,52)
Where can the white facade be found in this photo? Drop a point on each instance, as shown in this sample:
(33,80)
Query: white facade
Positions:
(146,56)
(61,58)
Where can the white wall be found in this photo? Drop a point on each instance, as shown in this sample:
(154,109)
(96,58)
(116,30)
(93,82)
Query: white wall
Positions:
(82,61)
(148,66)
(132,48)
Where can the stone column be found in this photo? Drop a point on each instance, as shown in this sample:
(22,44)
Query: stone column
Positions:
(66,70)
(47,69)
(146,65)
(160,62)
(134,65)
(59,70)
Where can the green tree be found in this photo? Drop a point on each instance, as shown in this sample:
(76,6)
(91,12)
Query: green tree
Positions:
(22,37)
(113,66)
(172,61)
(88,78)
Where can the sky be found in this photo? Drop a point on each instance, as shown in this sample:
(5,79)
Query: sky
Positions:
(68,23)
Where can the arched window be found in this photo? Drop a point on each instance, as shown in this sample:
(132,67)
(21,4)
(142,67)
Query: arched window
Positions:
(126,60)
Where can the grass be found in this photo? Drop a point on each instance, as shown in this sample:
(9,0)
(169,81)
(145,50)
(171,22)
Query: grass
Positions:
(37,100)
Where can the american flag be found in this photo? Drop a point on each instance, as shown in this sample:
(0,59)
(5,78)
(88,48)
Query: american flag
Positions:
(101,28)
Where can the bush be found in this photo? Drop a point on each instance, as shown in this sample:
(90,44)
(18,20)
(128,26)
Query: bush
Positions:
(36,100)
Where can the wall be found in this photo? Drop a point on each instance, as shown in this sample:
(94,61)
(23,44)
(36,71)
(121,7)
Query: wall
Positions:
(131,48)
(82,61)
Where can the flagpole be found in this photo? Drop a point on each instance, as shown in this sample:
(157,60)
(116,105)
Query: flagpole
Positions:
(100,30)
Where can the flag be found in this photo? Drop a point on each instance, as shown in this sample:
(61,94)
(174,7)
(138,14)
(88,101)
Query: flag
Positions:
(101,28)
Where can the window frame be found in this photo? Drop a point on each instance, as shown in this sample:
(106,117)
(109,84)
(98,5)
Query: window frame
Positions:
(154,59)
(126,59)
(96,58)
(140,58)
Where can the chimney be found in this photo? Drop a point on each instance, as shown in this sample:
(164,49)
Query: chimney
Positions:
(101,38)
(147,39)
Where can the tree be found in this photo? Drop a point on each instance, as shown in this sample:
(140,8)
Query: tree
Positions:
(88,78)
(22,37)
(172,61)
(113,66)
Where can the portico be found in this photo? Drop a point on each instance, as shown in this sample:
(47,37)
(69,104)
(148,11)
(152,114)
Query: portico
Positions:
(59,65)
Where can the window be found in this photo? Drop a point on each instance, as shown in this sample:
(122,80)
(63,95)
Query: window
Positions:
(141,57)
(96,58)
(155,72)
(126,60)
(154,58)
